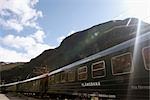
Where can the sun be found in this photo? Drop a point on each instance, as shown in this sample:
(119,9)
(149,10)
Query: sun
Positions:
(139,9)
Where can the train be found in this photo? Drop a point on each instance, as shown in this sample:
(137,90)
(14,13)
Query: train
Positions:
(119,72)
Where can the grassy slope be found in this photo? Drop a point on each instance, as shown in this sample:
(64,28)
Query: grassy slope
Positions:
(4,67)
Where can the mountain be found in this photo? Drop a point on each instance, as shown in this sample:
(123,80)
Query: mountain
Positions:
(7,65)
(78,46)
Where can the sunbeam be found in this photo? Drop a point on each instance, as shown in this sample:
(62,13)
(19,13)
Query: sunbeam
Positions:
(135,59)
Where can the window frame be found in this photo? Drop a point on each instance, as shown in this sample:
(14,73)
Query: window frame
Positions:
(57,78)
(82,72)
(71,72)
(144,57)
(63,81)
(132,67)
(104,68)
(51,79)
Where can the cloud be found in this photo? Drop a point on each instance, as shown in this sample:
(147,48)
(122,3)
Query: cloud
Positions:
(22,48)
(17,14)
(70,33)
(13,56)
(61,38)
(39,36)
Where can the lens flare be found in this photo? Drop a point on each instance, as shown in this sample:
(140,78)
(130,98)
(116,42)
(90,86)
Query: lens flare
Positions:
(139,9)
(135,59)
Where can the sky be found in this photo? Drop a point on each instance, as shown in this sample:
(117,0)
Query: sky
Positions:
(28,27)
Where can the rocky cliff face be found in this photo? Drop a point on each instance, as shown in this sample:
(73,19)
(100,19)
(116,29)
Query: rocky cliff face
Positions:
(80,45)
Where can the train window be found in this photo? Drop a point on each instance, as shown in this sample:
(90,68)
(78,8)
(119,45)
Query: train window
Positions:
(71,76)
(52,79)
(57,78)
(98,69)
(146,57)
(49,80)
(63,77)
(82,73)
(37,83)
(122,64)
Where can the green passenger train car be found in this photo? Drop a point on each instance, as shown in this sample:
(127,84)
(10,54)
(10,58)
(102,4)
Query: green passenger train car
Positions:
(120,71)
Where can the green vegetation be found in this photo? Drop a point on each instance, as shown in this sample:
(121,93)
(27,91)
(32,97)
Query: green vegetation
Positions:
(9,66)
